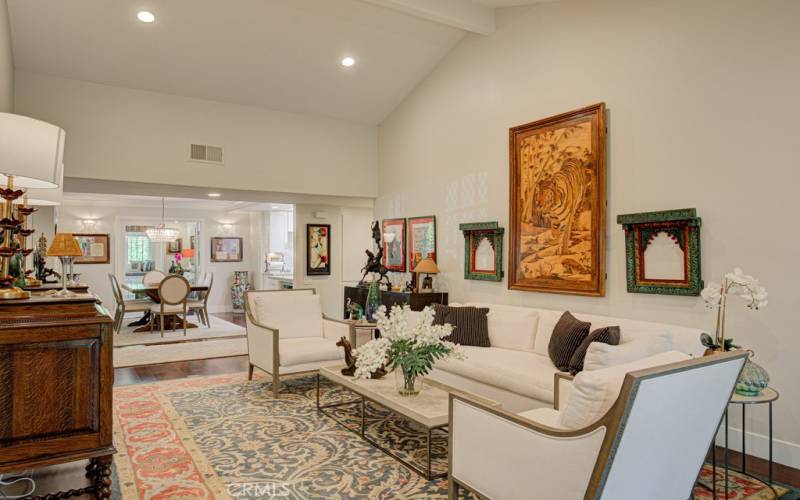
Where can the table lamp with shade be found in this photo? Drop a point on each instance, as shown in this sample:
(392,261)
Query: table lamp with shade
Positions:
(32,157)
(66,248)
(425,266)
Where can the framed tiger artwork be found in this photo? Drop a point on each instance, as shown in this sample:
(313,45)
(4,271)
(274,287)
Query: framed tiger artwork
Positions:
(558,203)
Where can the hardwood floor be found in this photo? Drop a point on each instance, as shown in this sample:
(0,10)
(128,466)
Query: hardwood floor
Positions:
(182,369)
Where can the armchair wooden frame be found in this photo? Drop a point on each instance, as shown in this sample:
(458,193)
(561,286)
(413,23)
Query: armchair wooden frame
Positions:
(614,422)
(274,370)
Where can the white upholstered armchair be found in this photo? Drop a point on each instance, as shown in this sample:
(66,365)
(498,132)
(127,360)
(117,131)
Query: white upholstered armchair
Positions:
(288,334)
(651,443)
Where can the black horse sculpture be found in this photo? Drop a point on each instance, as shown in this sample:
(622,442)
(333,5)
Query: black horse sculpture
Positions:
(375,261)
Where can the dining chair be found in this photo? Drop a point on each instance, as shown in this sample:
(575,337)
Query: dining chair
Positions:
(173,298)
(153,277)
(200,305)
(123,306)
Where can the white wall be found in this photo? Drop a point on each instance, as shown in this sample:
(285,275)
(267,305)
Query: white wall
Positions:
(330,288)
(6,62)
(703,105)
(122,134)
(112,220)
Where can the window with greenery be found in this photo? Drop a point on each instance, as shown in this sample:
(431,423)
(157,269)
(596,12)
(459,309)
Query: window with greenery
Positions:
(140,248)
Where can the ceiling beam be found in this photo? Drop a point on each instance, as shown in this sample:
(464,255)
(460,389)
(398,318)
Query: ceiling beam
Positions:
(462,14)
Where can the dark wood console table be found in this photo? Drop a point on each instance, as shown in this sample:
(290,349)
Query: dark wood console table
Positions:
(56,379)
(417,301)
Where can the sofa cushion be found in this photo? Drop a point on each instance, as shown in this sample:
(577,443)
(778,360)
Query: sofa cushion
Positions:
(594,392)
(521,372)
(511,327)
(295,315)
(607,335)
(296,351)
(544,330)
(470,324)
(599,355)
(568,334)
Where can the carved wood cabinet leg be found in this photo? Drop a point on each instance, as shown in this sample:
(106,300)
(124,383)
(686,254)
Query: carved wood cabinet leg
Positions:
(102,476)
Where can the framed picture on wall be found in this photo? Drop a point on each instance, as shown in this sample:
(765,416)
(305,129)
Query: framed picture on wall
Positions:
(226,249)
(318,249)
(394,244)
(95,248)
(175,246)
(558,204)
(421,239)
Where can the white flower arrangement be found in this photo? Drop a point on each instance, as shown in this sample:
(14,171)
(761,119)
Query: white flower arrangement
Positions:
(412,346)
(716,295)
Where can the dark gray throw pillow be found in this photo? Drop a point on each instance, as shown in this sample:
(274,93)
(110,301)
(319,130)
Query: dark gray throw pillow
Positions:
(470,324)
(568,334)
(608,335)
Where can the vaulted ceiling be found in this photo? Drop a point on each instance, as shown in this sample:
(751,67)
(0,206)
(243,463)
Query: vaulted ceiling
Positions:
(278,54)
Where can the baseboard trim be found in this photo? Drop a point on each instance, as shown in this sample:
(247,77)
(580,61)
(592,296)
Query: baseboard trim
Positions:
(757,445)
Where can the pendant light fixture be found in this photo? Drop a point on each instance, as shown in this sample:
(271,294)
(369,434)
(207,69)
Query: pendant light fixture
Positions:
(162,233)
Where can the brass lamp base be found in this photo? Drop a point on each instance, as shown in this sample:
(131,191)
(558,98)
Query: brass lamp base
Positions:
(14,293)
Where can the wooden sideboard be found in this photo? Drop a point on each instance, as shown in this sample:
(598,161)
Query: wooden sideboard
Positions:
(417,301)
(56,380)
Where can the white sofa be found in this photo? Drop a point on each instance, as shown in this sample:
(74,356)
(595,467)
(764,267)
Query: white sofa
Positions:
(517,372)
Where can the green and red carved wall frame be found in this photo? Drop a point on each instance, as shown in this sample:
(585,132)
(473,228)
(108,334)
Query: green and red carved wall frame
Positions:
(683,227)
(474,234)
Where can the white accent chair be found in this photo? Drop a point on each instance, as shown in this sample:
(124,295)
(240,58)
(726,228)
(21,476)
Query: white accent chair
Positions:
(651,444)
(123,306)
(200,305)
(288,334)
(173,298)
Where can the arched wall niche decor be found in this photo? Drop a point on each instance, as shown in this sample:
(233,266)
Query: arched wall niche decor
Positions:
(483,251)
(662,252)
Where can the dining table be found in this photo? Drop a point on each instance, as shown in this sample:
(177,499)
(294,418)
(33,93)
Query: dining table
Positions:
(150,290)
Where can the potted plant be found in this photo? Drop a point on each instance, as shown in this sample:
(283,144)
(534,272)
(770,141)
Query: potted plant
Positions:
(753,378)
(409,348)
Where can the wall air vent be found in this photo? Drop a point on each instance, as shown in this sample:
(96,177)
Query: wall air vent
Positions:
(205,153)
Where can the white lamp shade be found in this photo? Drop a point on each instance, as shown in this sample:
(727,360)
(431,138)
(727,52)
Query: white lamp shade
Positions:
(32,151)
(39,197)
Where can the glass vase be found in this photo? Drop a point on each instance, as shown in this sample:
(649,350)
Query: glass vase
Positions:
(373,301)
(753,379)
(406,384)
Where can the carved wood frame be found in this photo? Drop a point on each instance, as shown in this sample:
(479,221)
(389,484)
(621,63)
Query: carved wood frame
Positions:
(595,287)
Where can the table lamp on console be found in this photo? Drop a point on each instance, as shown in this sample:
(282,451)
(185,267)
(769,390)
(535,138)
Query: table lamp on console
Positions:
(425,266)
(32,157)
(66,248)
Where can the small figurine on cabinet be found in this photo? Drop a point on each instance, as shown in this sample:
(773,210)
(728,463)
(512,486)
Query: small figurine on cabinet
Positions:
(354,311)
(375,261)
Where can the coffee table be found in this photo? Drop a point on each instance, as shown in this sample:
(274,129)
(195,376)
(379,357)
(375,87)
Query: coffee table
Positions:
(430,409)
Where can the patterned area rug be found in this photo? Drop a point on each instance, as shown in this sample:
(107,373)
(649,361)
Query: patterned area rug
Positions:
(222,437)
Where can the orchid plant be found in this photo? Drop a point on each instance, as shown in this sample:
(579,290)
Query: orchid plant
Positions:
(716,295)
(410,345)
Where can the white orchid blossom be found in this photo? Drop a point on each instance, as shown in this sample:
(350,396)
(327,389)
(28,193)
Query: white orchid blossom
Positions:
(736,283)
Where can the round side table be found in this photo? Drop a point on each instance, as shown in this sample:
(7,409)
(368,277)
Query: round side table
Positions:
(767,396)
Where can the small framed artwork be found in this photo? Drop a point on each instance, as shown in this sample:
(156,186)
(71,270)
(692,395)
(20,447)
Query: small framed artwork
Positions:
(662,252)
(421,239)
(483,251)
(394,244)
(318,249)
(175,246)
(226,249)
(95,248)
(193,242)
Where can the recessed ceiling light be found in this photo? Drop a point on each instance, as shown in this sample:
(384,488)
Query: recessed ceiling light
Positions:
(214,195)
(348,61)
(146,16)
